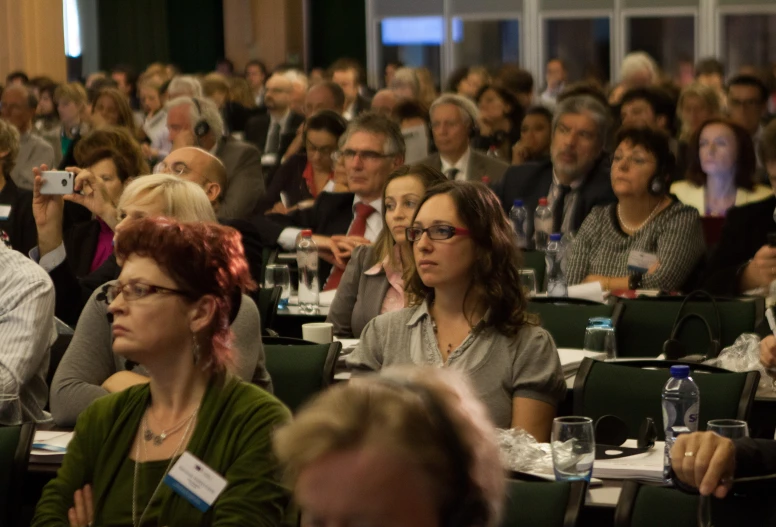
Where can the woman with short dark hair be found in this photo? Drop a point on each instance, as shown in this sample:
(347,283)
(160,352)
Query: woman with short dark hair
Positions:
(648,239)
(500,118)
(468,310)
(305,175)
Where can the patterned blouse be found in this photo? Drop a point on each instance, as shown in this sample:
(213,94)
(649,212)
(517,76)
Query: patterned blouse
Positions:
(674,235)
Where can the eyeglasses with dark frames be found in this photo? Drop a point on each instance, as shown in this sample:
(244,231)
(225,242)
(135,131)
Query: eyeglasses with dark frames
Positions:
(435,232)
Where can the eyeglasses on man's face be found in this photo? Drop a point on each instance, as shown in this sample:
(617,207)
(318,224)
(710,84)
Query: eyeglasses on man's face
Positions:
(435,232)
(176,168)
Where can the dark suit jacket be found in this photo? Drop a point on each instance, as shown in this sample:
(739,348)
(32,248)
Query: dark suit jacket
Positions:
(331,214)
(72,292)
(479,165)
(359,297)
(20,225)
(531,181)
(257,128)
(236,116)
(289,180)
(744,233)
(245,182)
(362,104)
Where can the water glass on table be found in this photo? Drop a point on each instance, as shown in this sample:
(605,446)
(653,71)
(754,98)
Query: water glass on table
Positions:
(528,281)
(279,275)
(573,448)
(600,336)
(730,428)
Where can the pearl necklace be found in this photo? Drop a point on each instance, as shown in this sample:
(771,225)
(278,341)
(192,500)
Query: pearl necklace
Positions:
(634,229)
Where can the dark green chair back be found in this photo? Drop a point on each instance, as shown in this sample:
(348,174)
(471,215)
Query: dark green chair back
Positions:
(566,319)
(642,505)
(267,302)
(646,323)
(632,391)
(535,260)
(299,369)
(541,503)
(15,445)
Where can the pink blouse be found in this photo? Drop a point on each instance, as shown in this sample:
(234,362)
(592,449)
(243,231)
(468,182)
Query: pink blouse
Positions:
(394,297)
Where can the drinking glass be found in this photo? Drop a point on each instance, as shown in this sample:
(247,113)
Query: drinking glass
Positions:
(600,336)
(278,274)
(730,428)
(528,281)
(573,448)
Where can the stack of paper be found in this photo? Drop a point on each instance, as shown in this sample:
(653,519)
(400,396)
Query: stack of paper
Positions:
(647,466)
(49,447)
(570,359)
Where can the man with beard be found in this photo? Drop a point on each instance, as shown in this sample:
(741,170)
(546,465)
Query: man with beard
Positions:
(576,178)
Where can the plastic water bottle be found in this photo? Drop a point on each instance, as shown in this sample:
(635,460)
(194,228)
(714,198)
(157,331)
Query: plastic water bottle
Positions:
(542,225)
(556,280)
(518,216)
(681,410)
(307,261)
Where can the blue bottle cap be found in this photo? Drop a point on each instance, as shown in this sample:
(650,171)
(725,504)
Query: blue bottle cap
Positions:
(517,203)
(680,371)
(600,322)
(555,237)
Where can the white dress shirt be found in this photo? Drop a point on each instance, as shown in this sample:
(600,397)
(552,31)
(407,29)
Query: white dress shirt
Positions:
(462,165)
(374,224)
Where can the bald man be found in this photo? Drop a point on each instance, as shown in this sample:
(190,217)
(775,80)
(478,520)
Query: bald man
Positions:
(384,102)
(18,108)
(274,131)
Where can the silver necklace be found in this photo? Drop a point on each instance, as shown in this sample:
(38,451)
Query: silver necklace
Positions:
(148,435)
(135,521)
(634,229)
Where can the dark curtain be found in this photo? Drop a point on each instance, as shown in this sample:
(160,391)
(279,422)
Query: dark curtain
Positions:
(338,30)
(189,33)
(132,32)
(196,33)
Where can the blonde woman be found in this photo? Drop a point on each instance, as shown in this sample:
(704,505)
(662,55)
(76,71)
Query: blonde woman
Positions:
(409,448)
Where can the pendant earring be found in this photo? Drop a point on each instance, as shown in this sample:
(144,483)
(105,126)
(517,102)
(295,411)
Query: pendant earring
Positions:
(195,348)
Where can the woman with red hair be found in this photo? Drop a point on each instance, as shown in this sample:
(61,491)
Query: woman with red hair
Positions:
(173,319)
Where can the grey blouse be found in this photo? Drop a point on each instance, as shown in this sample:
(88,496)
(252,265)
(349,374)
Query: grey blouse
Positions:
(675,236)
(500,368)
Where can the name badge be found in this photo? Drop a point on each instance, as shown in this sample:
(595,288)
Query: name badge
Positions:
(5,212)
(199,484)
(269,159)
(640,262)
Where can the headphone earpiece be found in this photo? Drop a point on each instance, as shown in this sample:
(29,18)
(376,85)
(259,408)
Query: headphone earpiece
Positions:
(201,128)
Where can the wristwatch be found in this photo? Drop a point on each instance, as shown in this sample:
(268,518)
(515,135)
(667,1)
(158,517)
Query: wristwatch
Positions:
(635,281)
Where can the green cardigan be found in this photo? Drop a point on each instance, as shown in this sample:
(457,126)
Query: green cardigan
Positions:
(232,436)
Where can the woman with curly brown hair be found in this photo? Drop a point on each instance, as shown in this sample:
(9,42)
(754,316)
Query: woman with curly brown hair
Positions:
(468,311)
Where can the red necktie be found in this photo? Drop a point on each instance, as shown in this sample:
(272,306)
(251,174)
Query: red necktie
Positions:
(357,228)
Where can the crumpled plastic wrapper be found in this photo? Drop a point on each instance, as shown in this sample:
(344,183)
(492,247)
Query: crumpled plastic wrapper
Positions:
(744,355)
(522,453)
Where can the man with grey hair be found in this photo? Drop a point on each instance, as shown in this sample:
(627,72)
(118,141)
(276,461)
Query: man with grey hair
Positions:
(453,119)
(195,121)
(576,178)
(184,86)
(18,108)
(372,148)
